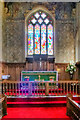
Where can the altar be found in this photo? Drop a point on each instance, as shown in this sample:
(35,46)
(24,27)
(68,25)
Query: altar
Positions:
(39,76)
(34,81)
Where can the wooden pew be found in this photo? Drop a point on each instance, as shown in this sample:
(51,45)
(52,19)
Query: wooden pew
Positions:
(3,106)
(73,108)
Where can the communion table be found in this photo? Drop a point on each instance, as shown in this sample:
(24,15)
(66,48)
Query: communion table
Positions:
(39,76)
(32,78)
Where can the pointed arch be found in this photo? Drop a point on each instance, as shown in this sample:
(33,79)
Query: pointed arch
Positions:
(38,19)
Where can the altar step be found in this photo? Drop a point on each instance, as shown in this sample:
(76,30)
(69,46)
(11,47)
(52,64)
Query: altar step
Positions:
(38,102)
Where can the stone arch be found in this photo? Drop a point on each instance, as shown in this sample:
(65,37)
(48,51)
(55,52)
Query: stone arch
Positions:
(44,9)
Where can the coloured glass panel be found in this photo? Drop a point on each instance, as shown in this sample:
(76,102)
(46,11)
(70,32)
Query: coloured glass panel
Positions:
(30,39)
(33,20)
(43,39)
(37,39)
(46,21)
(50,39)
(43,15)
(40,20)
(37,15)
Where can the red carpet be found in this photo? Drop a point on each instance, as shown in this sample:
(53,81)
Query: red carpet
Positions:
(37,112)
(37,108)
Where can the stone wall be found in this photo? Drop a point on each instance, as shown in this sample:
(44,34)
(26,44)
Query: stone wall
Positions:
(14,31)
(15,41)
(64,41)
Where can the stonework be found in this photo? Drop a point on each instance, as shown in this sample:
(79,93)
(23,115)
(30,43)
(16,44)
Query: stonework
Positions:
(1,19)
(14,31)
(15,41)
(1,38)
(64,41)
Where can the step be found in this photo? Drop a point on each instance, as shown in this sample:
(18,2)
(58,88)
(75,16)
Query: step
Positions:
(39,101)
(36,104)
(36,99)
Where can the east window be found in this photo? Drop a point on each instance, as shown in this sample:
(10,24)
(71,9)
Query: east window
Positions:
(40,34)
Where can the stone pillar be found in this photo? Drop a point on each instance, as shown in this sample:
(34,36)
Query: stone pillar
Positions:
(1,38)
(77,43)
(1,14)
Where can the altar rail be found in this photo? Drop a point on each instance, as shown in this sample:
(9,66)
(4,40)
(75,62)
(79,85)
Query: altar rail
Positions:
(40,88)
(73,108)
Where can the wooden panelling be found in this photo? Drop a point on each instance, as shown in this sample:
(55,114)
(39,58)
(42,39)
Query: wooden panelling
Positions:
(14,69)
(35,66)
(62,75)
(44,65)
(0,70)
(51,66)
(30,66)
(12,72)
(18,72)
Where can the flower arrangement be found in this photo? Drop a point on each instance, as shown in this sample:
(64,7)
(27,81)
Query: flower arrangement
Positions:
(71,68)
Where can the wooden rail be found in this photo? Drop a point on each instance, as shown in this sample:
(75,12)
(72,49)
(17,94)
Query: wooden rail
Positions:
(40,88)
(73,108)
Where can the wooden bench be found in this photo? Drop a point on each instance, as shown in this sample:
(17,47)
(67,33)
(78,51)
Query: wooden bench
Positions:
(73,108)
(3,106)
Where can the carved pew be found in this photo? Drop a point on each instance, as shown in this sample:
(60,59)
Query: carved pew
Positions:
(3,106)
(73,108)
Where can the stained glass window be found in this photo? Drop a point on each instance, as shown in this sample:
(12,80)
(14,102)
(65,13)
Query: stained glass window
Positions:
(43,39)
(40,34)
(46,21)
(37,39)
(30,39)
(50,39)
(37,15)
(33,20)
(40,20)
(43,15)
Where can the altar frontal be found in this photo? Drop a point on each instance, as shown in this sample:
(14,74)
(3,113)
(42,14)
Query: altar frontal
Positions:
(39,76)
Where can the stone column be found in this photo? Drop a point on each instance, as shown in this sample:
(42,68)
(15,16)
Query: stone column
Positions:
(77,37)
(77,43)
(1,20)
(1,38)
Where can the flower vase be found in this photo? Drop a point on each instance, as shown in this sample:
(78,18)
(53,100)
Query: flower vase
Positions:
(71,76)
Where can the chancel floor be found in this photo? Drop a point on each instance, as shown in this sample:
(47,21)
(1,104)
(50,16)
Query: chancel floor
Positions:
(37,112)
